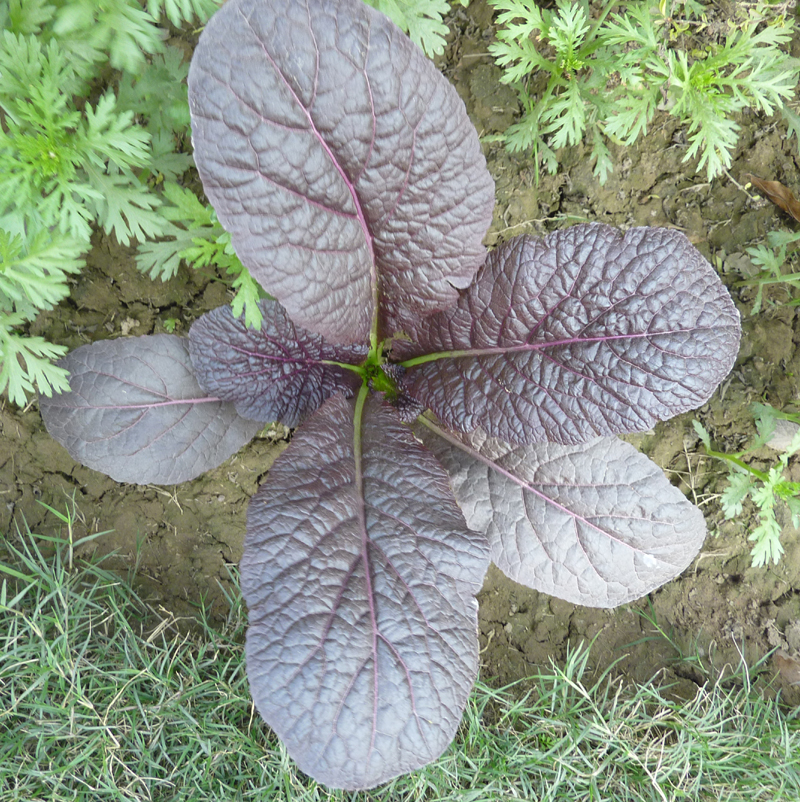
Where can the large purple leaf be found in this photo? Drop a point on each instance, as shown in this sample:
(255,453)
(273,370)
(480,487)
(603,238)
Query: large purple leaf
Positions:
(341,161)
(136,412)
(279,373)
(595,524)
(360,577)
(586,332)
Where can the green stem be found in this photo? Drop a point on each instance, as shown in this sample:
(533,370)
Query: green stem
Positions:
(374,334)
(421,360)
(740,463)
(601,19)
(359,478)
(750,282)
(355,368)
(357,418)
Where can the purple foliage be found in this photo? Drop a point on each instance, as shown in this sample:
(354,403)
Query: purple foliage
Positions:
(324,123)
(137,412)
(361,579)
(278,373)
(585,332)
(352,182)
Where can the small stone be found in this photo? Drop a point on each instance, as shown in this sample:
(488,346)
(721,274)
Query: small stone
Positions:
(783,435)
(788,666)
(793,635)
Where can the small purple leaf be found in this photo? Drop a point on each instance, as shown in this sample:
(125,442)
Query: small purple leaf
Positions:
(341,161)
(360,578)
(280,373)
(595,524)
(585,332)
(136,412)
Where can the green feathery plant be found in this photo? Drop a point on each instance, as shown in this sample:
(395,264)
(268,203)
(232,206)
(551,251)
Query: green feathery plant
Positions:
(765,488)
(420,19)
(772,258)
(72,161)
(193,234)
(605,74)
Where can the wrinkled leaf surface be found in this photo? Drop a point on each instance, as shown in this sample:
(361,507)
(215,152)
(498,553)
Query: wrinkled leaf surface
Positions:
(279,373)
(360,577)
(596,524)
(586,332)
(341,161)
(137,413)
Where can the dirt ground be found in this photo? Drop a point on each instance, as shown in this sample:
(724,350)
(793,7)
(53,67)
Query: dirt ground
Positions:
(183,540)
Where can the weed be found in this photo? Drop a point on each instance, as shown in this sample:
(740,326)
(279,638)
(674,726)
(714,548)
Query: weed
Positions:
(193,234)
(765,489)
(605,75)
(72,161)
(687,656)
(772,259)
(422,20)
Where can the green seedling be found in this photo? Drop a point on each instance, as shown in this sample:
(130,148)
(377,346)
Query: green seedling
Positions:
(766,489)
(604,72)
(193,235)
(772,259)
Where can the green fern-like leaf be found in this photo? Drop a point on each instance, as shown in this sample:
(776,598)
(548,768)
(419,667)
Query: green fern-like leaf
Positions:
(248,294)
(767,542)
(766,536)
(188,222)
(25,16)
(158,94)
(420,19)
(515,49)
(126,207)
(119,30)
(702,433)
(567,33)
(196,237)
(733,496)
(603,164)
(34,273)
(633,111)
(162,258)
(624,67)
(634,29)
(166,164)
(58,166)
(26,363)
(792,122)
(218,251)
(564,119)
(108,134)
(180,11)
(38,79)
